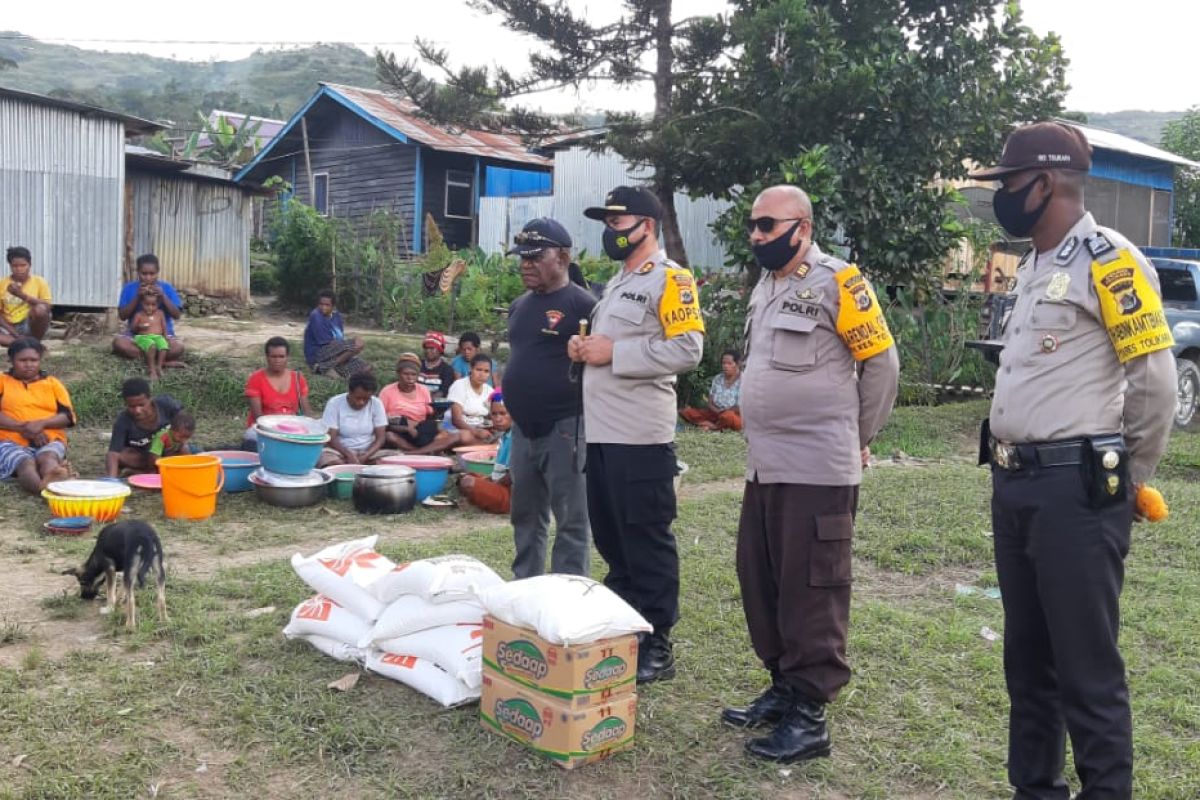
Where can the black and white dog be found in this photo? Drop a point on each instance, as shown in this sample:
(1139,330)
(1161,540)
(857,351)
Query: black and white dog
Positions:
(133,549)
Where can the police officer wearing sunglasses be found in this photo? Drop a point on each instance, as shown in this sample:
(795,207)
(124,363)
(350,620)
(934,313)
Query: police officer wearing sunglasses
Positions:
(645,330)
(820,379)
(1081,414)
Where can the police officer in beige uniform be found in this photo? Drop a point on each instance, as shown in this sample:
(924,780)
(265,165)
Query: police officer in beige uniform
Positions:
(1081,414)
(645,330)
(820,379)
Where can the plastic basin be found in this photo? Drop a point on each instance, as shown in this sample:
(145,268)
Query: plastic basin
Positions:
(481,463)
(286,456)
(432,472)
(101,509)
(342,485)
(238,464)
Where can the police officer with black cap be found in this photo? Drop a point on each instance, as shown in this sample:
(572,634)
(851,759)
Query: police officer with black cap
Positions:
(645,330)
(1080,417)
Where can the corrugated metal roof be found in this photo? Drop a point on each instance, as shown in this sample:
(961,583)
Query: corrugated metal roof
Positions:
(1109,140)
(134,126)
(402,115)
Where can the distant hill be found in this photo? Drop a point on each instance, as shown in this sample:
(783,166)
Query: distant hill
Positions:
(268,83)
(1145,126)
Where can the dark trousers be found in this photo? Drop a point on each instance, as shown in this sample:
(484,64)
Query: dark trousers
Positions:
(547,475)
(793,564)
(1061,565)
(631,503)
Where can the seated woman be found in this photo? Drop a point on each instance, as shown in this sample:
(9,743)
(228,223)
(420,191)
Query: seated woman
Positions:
(722,412)
(436,373)
(493,494)
(357,424)
(412,426)
(135,428)
(35,410)
(277,389)
(470,406)
(326,348)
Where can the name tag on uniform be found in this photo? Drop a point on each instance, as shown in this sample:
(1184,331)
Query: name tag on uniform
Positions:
(801,308)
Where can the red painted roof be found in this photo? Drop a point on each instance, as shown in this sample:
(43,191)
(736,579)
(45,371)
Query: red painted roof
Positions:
(402,115)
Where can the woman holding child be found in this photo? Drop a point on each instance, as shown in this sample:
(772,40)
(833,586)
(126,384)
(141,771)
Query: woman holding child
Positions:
(144,418)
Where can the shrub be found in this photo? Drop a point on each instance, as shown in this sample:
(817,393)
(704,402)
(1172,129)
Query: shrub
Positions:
(303,244)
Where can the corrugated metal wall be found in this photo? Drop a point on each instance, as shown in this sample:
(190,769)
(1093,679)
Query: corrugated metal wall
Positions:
(200,231)
(60,178)
(501,217)
(581,179)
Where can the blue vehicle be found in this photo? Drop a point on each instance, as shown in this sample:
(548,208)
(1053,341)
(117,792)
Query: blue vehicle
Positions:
(1180,279)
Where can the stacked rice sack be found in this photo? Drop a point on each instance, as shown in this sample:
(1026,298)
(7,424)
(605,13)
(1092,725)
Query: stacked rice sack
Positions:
(419,623)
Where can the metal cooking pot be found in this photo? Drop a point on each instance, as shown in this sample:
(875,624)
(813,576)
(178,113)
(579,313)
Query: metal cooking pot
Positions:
(291,496)
(385,490)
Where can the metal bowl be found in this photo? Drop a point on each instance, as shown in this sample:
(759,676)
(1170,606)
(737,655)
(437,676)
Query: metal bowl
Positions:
(385,490)
(291,496)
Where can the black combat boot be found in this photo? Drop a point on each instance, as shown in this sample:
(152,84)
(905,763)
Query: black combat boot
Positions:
(656,660)
(801,735)
(769,708)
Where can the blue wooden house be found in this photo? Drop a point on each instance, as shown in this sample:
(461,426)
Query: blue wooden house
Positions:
(349,152)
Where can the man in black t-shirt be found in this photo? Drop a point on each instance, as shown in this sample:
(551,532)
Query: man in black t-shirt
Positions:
(134,429)
(542,392)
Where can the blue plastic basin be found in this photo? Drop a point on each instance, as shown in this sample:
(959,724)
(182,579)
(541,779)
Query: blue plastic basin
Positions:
(286,456)
(238,464)
(430,482)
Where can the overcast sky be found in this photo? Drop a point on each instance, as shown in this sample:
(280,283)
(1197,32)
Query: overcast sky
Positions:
(1139,55)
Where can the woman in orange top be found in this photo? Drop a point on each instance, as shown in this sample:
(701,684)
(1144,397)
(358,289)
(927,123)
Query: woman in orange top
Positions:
(34,411)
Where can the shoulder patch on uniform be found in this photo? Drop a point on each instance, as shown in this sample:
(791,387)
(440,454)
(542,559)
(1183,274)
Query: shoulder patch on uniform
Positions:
(679,308)
(1067,250)
(1099,246)
(1131,309)
(860,322)
(644,268)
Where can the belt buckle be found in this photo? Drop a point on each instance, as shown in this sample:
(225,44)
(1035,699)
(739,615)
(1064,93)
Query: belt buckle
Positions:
(1005,455)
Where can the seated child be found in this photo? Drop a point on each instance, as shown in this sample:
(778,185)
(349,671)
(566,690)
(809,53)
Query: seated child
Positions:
(492,494)
(149,330)
(173,440)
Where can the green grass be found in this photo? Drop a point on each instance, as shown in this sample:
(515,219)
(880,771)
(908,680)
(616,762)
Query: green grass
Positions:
(925,715)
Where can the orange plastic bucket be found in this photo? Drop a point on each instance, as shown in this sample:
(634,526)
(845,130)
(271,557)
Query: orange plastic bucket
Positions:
(190,485)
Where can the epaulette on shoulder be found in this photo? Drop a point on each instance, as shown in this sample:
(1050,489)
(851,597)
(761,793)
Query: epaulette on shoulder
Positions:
(1101,247)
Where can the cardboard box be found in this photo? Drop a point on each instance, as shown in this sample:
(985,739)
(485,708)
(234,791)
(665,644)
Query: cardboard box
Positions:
(570,737)
(578,676)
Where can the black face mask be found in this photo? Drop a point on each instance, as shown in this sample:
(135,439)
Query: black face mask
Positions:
(616,243)
(1010,209)
(775,254)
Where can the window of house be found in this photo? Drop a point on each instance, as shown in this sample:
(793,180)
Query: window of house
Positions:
(321,193)
(460,194)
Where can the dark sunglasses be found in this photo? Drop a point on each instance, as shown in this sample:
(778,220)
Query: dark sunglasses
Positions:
(767,224)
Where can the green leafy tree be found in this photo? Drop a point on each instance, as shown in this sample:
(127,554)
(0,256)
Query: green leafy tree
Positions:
(896,93)
(228,145)
(1182,137)
(644,45)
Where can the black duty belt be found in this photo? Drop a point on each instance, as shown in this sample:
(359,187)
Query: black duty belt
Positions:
(1014,457)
